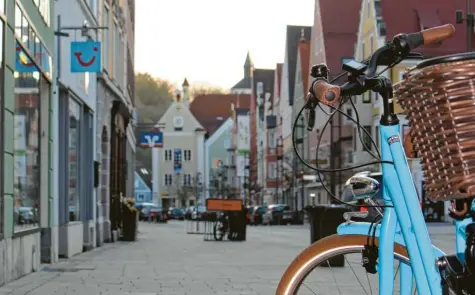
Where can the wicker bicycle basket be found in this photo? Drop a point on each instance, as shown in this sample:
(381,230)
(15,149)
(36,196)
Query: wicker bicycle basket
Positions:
(438,97)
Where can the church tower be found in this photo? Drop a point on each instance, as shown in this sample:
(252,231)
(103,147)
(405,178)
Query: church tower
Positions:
(248,66)
(186,92)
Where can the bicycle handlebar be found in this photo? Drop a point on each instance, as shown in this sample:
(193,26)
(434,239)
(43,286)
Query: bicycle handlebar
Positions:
(328,93)
(437,34)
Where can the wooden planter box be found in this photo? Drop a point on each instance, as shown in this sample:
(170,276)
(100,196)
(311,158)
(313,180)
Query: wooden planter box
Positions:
(129,224)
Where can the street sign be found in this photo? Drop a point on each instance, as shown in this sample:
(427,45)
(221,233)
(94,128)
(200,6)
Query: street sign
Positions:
(151,139)
(223,205)
(86,57)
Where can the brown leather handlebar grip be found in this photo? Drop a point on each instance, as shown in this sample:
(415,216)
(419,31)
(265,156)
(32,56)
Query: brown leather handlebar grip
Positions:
(326,93)
(437,34)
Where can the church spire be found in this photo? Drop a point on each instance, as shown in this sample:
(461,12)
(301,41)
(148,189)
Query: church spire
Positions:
(186,92)
(248,65)
(185,83)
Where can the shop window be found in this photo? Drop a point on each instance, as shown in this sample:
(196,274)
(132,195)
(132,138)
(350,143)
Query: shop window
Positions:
(44,8)
(18,20)
(92,6)
(25,33)
(26,175)
(73,157)
(29,39)
(115,48)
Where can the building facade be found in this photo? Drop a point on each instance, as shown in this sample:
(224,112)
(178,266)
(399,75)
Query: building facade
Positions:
(332,41)
(28,222)
(114,124)
(377,26)
(142,191)
(219,163)
(213,112)
(240,148)
(179,166)
(50,117)
(286,101)
(301,132)
(263,88)
(277,157)
(75,140)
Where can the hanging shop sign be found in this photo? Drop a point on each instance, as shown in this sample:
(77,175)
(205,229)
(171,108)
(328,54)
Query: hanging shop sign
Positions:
(86,57)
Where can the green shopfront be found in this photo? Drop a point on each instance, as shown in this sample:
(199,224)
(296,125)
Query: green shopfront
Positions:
(25,97)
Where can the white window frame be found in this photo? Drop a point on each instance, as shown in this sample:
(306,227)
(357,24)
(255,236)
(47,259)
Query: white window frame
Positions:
(93,6)
(187,155)
(349,159)
(115,49)
(272,139)
(167,159)
(347,120)
(272,170)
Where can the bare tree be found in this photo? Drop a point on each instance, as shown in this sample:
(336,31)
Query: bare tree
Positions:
(202,89)
(219,185)
(184,187)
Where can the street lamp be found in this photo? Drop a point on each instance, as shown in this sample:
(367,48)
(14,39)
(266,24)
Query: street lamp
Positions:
(312,196)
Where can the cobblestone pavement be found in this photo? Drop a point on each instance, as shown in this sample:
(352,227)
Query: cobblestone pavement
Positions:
(165,260)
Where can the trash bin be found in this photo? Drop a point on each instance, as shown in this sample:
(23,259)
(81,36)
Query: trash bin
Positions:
(324,221)
(238,225)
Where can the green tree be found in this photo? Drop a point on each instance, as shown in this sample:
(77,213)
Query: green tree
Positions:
(153,97)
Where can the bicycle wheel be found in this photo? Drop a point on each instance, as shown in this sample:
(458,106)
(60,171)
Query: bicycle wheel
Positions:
(337,281)
(218,232)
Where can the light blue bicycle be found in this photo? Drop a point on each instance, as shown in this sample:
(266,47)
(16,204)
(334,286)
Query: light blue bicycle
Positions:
(395,250)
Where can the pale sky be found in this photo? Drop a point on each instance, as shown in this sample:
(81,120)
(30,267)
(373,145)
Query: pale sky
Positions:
(207,40)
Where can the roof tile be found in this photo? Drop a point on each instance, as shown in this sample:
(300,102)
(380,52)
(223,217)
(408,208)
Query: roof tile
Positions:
(211,110)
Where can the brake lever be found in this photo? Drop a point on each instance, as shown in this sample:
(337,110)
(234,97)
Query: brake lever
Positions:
(310,106)
(311,119)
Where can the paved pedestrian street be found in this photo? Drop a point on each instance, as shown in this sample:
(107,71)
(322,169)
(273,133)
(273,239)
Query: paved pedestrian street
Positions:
(166,260)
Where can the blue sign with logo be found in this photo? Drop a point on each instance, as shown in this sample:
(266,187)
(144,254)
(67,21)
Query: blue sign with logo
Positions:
(177,161)
(85,57)
(151,139)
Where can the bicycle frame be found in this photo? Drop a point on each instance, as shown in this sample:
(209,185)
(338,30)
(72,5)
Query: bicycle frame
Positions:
(404,224)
